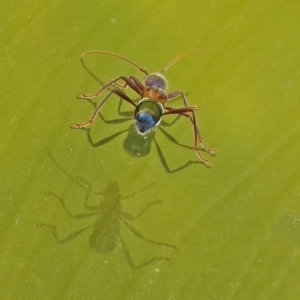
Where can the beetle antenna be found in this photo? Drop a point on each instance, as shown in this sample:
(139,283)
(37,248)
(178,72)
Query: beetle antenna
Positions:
(176,58)
(116,55)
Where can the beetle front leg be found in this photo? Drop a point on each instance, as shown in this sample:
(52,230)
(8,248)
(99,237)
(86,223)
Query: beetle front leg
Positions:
(92,119)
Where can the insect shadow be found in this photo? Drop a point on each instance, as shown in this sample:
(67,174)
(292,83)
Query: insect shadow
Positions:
(138,145)
(109,217)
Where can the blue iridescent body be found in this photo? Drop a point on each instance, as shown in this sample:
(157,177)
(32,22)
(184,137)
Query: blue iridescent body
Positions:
(147,115)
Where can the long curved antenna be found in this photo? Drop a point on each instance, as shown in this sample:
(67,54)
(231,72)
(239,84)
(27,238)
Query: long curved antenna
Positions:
(176,58)
(116,55)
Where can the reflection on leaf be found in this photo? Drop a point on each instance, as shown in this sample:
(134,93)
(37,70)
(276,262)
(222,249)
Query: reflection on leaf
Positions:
(137,145)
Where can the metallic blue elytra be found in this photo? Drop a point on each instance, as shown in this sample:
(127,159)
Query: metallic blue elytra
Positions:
(147,115)
(145,122)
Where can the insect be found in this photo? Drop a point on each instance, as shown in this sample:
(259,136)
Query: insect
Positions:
(109,216)
(153,103)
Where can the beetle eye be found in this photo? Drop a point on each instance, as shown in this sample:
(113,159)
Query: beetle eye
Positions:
(156,81)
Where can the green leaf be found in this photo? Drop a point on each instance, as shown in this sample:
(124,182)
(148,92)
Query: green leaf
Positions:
(226,232)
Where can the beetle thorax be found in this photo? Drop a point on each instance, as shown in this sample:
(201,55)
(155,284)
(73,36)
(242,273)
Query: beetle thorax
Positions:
(155,87)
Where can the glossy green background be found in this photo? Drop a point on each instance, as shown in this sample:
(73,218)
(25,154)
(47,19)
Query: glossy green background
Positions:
(236,224)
